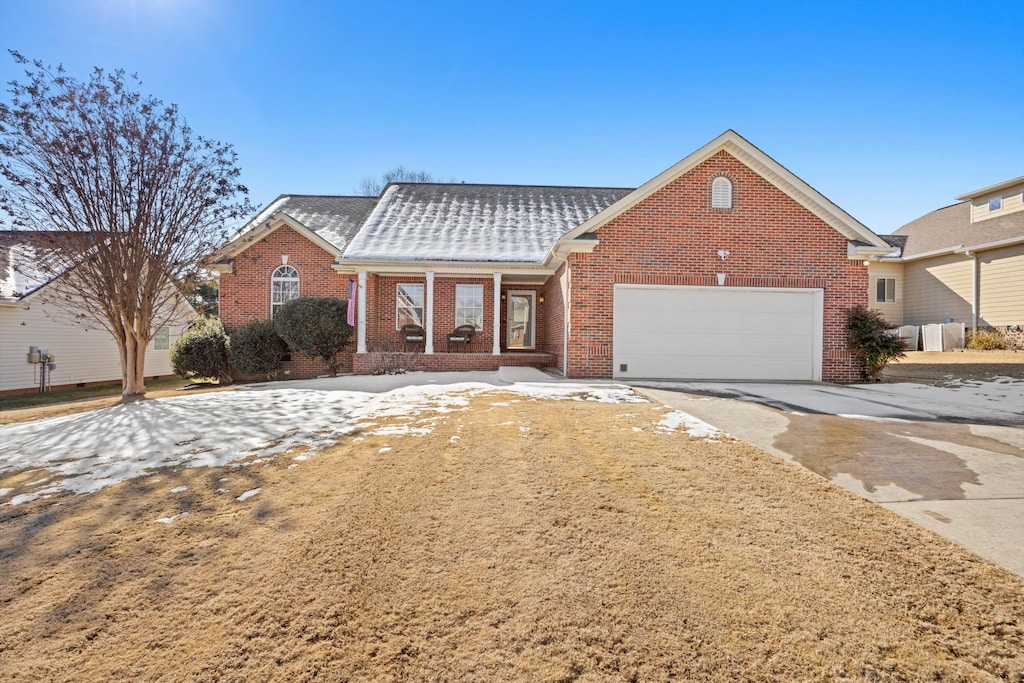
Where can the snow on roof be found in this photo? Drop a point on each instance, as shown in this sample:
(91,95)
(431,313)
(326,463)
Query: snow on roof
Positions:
(334,218)
(19,274)
(468,222)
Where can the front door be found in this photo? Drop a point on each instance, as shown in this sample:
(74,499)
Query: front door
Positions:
(521,312)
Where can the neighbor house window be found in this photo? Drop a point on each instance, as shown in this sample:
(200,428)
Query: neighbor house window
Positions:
(284,286)
(885,290)
(162,339)
(409,306)
(721,193)
(995,203)
(469,306)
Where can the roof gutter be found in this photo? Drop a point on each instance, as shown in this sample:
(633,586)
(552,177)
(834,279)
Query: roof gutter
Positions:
(350,266)
(961,249)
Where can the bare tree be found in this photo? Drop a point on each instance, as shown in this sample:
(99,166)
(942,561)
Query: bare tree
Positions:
(118,198)
(371,186)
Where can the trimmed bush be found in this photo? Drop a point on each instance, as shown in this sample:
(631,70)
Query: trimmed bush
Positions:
(986,340)
(872,340)
(202,351)
(316,326)
(257,349)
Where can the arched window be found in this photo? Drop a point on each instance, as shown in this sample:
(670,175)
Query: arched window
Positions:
(721,193)
(284,286)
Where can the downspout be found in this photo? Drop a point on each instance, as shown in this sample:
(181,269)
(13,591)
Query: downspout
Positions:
(975,289)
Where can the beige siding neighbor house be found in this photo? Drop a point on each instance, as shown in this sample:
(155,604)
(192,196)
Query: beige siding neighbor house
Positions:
(30,317)
(963,263)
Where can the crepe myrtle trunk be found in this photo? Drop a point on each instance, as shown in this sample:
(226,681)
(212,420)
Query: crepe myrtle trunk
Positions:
(117,199)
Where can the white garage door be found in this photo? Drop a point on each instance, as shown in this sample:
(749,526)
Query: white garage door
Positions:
(731,333)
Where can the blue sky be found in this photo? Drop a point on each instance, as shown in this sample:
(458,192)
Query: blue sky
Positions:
(889,109)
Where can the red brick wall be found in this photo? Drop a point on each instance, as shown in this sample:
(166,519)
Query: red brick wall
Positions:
(245,292)
(673,237)
(381,312)
(551,315)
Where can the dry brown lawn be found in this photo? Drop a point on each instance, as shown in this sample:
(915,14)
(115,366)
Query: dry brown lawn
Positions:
(520,540)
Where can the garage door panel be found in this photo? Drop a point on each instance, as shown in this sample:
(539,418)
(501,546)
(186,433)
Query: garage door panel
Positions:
(717,333)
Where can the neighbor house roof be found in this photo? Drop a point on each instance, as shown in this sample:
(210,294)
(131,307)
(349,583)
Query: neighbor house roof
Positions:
(992,189)
(469,222)
(951,228)
(20,273)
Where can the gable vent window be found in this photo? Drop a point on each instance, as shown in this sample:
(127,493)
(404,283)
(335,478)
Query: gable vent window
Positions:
(995,203)
(721,193)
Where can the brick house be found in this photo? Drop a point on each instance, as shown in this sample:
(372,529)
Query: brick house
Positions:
(724,266)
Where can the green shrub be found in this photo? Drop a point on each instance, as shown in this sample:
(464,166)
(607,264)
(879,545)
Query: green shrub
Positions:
(202,351)
(316,326)
(257,349)
(871,340)
(986,340)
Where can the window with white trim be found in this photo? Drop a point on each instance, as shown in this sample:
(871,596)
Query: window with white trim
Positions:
(162,339)
(469,306)
(284,286)
(885,290)
(408,305)
(995,203)
(721,193)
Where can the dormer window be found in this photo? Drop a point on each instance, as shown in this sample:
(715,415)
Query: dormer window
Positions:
(995,203)
(721,193)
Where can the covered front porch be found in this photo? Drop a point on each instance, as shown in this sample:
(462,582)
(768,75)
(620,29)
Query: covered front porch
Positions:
(419,319)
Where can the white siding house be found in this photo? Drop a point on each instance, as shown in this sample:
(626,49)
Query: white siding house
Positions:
(962,263)
(81,355)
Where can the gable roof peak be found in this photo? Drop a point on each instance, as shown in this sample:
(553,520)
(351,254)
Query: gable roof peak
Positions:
(756,160)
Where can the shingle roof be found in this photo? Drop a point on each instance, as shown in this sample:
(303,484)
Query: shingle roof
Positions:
(335,218)
(20,274)
(468,222)
(951,227)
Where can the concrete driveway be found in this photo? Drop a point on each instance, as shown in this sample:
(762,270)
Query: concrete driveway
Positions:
(948,458)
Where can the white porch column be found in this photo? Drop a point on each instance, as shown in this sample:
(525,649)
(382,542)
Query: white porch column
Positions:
(429,315)
(361,312)
(497,315)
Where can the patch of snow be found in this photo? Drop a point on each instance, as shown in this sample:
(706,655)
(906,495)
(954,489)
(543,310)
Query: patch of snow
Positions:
(168,520)
(454,438)
(386,449)
(221,491)
(4,492)
(179,489)
(673,421)
(248,494)
(87,451)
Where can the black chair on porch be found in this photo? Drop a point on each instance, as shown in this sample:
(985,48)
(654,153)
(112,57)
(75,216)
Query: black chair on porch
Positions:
(462,336)
(412,335)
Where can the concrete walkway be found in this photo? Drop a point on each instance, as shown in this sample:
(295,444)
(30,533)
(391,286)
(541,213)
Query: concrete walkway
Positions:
(949,459)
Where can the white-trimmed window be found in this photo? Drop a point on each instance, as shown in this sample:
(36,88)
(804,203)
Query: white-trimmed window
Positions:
(885,290)
(162,339)
(469,306)
(409,305)
(284,286)
(995,203)
(721,193)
